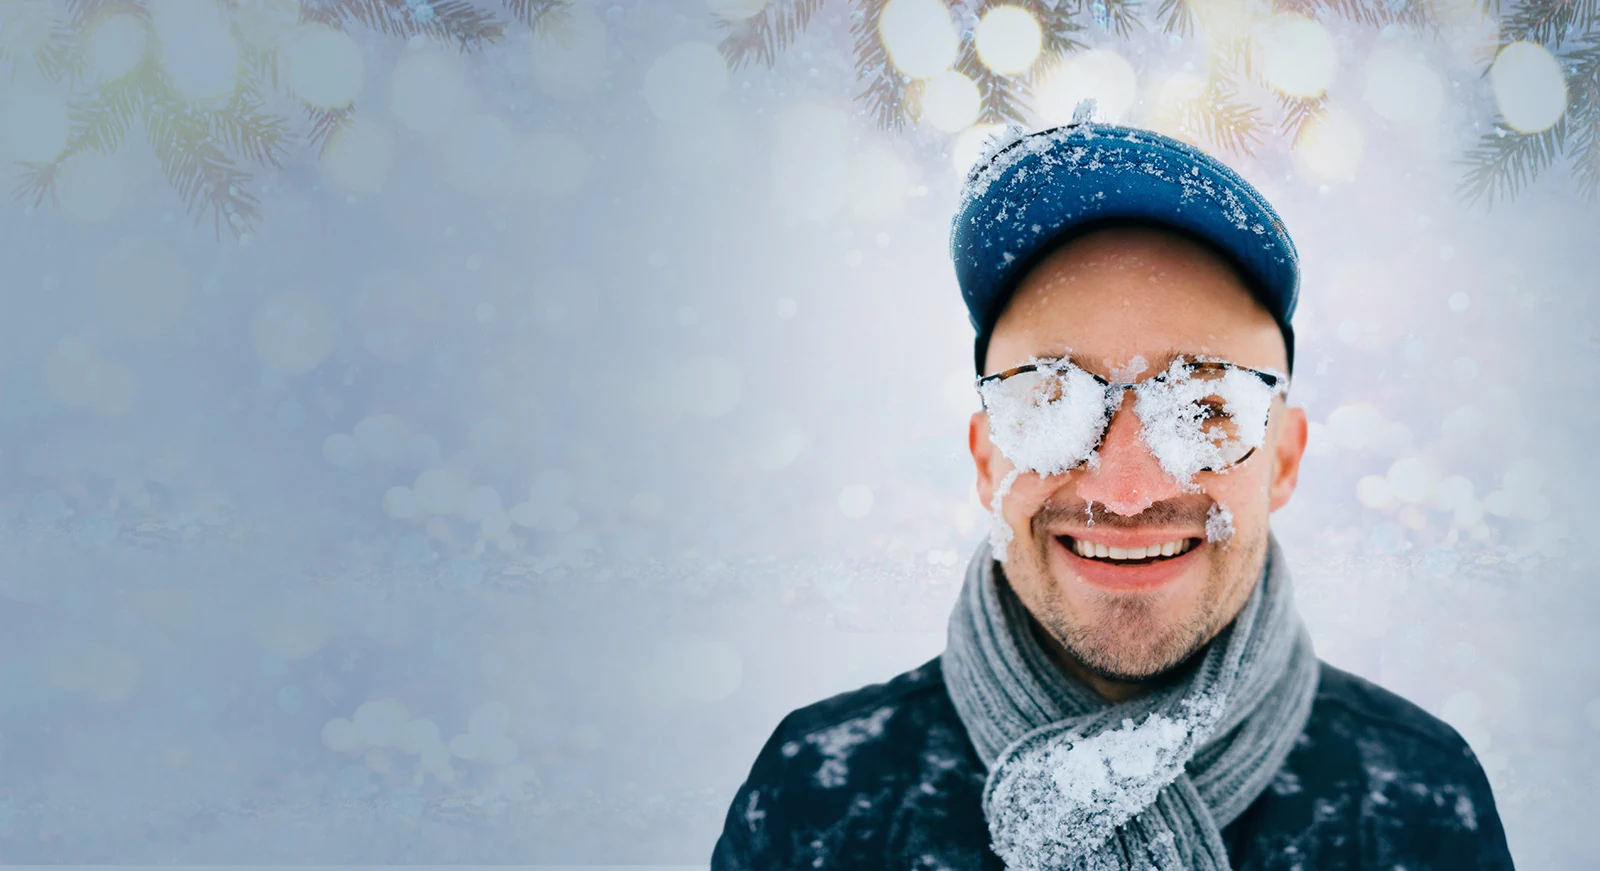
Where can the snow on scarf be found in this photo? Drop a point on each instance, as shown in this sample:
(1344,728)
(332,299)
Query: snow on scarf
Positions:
(1076,782)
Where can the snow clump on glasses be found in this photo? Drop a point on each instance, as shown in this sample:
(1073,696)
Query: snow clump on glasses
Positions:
(1174,408)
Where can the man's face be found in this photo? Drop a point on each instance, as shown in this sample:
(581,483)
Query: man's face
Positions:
(1121,302)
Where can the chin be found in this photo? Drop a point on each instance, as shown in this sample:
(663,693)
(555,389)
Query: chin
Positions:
(1122,644)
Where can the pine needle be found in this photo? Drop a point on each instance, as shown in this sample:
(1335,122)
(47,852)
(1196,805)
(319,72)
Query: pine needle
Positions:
(1299,113)
(325,123)
(205,177)
(1370,13)
(38,181)
(766,34)
(885,93)
(457,21)
(248,130)
(1505,161)
(1222,118)
(1583,112)
(1001,99)
(540,15)
(1550,20)
(1117,16)
(1176,16)
(261,64)
(102,122)
(1059,29)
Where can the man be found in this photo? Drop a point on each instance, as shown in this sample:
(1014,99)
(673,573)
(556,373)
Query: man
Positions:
(1127,684)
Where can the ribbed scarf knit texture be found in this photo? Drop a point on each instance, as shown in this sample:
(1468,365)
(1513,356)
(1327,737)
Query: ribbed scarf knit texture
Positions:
(1076,782)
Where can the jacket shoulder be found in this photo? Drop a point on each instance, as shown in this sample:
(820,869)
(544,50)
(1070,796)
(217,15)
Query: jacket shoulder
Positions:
(845,781)
(919,686)
(1374,781)
(1369,707)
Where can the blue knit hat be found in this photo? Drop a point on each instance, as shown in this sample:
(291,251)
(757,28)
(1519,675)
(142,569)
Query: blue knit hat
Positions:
(1034,192)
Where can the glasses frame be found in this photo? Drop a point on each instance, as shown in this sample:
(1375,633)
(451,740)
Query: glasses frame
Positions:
(1279,385)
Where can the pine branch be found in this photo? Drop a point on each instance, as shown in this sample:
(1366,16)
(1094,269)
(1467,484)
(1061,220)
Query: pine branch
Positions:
(206,179)
(102,122)
(38,181)
(1369,13)
(1177,16)
(325,123)
(1549,21)
(1221,117)
(261,64)
(453,20)
(80,11)
(99,123)
(248,130)
(1116,16)
(1059,27)
(1586,157)
(764,35)
(885,93)
(1505,161)
(1001,98)
(1583,111)
(1299,113)
(540,15)
(63,56)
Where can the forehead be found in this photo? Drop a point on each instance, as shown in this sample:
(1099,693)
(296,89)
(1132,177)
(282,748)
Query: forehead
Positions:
(1126,292)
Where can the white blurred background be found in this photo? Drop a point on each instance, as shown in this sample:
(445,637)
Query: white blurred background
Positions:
(483,481)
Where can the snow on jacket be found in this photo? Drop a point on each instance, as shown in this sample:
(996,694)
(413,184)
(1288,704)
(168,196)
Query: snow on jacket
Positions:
(885,778)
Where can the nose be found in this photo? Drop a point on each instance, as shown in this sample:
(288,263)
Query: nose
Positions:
(1128,479)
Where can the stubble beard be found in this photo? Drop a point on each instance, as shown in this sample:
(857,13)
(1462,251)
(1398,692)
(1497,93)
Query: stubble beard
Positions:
(1124,637)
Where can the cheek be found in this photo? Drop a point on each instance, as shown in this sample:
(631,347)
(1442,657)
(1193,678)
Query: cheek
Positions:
(1243,488)
(1027,495)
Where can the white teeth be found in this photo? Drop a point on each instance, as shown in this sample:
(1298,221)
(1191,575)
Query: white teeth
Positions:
(1089,550)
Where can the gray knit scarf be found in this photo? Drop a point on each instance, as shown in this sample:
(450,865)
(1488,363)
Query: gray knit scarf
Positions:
(1078,783)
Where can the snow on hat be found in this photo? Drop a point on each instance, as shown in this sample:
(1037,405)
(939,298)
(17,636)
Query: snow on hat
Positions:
(1032,192)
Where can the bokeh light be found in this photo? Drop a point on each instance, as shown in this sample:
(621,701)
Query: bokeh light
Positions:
(1332,145)
(197,49)
(358,155)
(91,185)
(1401,87)
(950,101)
(855,501)
(735,10)
(1528,87)
(115,45)
(1008,39)
(293,332)
(322,66)
(1097,73)
(428,90)
(1298,56)
(919,36)
(570,56)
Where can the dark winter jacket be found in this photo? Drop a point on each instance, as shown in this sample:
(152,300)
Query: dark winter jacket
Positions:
(885,778)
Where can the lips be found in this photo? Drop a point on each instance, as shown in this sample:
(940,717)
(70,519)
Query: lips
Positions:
(1129,561)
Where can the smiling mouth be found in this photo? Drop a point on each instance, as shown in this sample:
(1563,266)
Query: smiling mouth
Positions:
(1128,556)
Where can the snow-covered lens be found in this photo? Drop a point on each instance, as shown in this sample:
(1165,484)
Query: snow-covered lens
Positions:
(1200,417)
(1047,420)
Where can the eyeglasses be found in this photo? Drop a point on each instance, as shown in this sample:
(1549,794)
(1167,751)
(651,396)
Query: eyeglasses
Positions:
(1199,415)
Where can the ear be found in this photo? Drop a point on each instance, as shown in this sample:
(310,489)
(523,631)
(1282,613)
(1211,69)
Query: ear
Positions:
(1289,449)
(982,452)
